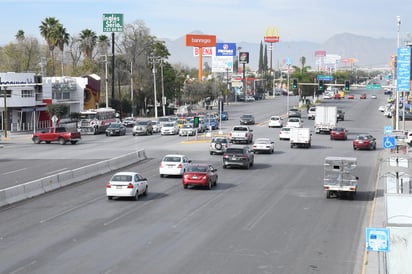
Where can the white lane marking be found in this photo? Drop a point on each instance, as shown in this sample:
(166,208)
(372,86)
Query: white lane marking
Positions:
(14,171)
(56,171)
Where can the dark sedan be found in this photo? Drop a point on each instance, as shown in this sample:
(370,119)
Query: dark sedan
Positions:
(116,129)
(364,141)
(247,119)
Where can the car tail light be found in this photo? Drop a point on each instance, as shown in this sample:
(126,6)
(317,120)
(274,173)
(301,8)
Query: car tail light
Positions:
(179,165)
(108,185)
(225,155)
(161,165)
(130,185)
(243,156)
(325,187)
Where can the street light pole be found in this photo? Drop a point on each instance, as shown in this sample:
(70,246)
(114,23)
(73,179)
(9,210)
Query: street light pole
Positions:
(398,19)
(163,89)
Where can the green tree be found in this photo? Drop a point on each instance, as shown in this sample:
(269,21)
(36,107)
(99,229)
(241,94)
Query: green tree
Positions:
(63,39)
(88,41)
(48,30)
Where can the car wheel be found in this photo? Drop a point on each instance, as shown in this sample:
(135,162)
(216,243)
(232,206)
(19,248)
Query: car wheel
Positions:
(36,140)
(161,175)
(224,166)
(327,194)
(109,197)
(215,183)
(185,186)
(209,185)
(145,191)
(136,196)
(62,141)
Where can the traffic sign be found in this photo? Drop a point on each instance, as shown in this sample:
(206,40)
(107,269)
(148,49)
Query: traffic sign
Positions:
(373,86)
(387,130)
(377,239)
(389,142)
(113,22)
(324,77)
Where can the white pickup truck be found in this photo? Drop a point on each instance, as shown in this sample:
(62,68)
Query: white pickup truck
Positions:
(241,134)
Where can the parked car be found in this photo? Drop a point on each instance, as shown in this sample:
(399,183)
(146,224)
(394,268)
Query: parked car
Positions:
(264,145)
(363,96)
(351,96)
(364,141)
(211,123)
(200,175)
(173,164)
(312,113)
(340,115)
(129,122)
(284,133)
(238,157)
(126,184)
(407,114)
(143,127)
(115,129)
(187,130)
(275,121)
(224,115)
(249,98)
(294,112)
(169,128)
(338,133)
(294,122)
(247,119)
(156,126)
(218,145)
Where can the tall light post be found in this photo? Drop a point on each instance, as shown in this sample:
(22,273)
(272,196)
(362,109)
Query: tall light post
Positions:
(131,86)
(154,60)
(163,88)
(398,20)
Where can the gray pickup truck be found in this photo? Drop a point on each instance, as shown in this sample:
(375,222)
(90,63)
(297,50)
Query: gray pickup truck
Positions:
(241,134)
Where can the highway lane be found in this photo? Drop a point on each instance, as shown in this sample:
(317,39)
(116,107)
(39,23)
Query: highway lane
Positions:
(273,218)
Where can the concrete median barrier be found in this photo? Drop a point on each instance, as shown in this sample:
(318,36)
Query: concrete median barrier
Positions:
(37,187)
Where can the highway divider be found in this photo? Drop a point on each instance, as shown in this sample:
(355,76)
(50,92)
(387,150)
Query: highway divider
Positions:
(43,185)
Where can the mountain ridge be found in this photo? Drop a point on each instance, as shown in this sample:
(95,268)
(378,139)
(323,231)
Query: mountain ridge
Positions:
(367,51)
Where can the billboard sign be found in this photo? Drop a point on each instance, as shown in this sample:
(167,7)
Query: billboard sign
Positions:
(200,40)
(403,69)
(225,49)
(113,22)
(206,51)
(244,57)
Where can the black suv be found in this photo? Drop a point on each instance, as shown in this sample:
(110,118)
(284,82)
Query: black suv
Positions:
(340,115)
(238,157)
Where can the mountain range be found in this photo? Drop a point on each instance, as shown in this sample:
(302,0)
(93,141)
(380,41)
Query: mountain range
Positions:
(368,52)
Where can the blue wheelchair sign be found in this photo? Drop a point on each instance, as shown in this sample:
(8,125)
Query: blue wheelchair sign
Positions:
(377,239)
(387,130)
(389,142)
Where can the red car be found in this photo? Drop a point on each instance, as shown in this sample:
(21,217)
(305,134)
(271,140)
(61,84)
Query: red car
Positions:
(364,141)
(200,175)
(351,96)
(338,133)
(363,96)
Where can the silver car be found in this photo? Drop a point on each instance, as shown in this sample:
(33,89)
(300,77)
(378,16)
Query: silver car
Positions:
(218,145)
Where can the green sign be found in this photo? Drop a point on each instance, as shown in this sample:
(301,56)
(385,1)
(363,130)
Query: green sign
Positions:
(113,22)
(373,86)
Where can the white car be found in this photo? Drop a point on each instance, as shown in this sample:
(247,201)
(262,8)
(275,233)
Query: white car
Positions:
(312,113)
(173,164)
(169,128)
(294,122)
(187,130)
(126,184)
(382,108)
(284,133)
(275,121)
(327,96)
(263,145)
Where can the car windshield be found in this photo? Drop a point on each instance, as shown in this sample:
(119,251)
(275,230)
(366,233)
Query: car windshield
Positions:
(187,126)
(262,141)
(172,159)
(240,128)
(295,120)
(234,150)
(121,178)
(285,129)
(247,116)
(169,125)
(143,123)
(362,137)
(114,125)
(219,140)
(197,169)
(275,118)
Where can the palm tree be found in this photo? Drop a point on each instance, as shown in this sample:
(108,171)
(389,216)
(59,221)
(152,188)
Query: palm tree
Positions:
(63,39)
(103,44)
(88,41)
(20,35)
(49,33)
(302,63)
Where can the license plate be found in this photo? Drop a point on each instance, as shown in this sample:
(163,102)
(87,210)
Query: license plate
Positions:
(194,177)
(234,158)
(118,187)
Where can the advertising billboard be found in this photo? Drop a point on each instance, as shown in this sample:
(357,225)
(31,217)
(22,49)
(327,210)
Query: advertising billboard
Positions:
(225,49)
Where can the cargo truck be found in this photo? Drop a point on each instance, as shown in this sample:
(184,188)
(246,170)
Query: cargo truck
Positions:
(325,118)
(300,137)
(339,177)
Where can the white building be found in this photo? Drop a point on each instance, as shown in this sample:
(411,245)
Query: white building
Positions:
(28,94)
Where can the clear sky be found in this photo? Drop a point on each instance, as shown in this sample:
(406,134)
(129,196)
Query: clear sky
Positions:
(229,20)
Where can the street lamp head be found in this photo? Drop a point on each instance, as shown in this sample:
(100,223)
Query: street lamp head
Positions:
(398,20)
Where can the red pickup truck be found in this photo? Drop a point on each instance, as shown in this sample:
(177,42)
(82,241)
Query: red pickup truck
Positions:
(56,134)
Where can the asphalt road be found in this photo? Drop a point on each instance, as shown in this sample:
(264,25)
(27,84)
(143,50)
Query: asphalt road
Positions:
(273,218)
